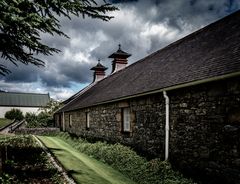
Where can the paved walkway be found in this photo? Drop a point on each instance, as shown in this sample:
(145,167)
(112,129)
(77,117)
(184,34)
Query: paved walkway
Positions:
(84,169)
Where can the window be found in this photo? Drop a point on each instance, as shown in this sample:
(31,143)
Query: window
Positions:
(126,120)
(70,120)
(59,120)
(87,120)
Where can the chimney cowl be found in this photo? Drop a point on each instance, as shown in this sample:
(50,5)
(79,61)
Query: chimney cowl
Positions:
(99,72)
(119,59)
(120,54)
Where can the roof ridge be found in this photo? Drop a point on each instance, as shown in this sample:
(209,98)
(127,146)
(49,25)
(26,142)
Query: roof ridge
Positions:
(24,93)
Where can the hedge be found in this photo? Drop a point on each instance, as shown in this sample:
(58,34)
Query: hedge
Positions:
(128,162)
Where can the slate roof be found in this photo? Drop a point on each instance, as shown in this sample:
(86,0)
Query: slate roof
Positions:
(209,52)
(23,99)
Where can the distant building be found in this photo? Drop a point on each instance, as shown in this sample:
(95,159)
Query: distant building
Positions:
(26,102)
(180,103)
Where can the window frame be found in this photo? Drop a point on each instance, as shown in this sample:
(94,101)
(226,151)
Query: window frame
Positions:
(70,120)
(126,120)
(87,120)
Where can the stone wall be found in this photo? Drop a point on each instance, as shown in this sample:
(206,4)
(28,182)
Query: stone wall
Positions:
(147,124)
(37,131)
(204,128)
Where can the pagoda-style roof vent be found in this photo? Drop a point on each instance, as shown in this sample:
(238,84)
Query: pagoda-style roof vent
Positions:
(119,54)
(99,72)
(99,66)
(119,59)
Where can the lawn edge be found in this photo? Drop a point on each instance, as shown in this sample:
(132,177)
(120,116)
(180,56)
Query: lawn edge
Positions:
(55,161)
(6,126)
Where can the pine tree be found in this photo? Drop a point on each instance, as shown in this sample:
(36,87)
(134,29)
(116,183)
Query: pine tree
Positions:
(22,21)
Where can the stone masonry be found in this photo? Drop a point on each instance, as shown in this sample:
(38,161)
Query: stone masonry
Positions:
(204,128)
(205,131)
(147,124)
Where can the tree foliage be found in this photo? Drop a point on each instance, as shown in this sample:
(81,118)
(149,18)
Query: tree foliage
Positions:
(51,107)
(39,121)
(23,21)
(14,114)
(45,117)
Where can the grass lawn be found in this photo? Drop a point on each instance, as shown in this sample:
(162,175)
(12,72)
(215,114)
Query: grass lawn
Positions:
(4,122)
(84,169)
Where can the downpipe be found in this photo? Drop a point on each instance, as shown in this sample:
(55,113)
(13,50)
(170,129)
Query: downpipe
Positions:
(166,125)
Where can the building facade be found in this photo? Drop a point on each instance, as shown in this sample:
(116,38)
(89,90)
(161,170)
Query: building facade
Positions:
(26,102)
(181,103)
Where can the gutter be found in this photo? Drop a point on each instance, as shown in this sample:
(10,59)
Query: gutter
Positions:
(166,125)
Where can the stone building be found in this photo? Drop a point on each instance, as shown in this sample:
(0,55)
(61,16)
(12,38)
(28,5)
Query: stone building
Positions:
(180,103)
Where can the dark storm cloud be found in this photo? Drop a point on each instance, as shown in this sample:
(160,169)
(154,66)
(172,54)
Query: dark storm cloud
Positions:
(78,72)
(141,27)
(121,1)
(178,14)
(194,12)
(55,41)
(56,73)
(20,73)
(62,72)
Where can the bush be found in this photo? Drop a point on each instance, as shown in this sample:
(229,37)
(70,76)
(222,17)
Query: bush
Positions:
(41,120)
(45,119)
(31,119)
(125,160)
(24,161)
(14,114)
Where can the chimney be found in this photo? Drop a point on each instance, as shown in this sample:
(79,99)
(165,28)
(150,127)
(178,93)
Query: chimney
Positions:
(99,72)
(119,59)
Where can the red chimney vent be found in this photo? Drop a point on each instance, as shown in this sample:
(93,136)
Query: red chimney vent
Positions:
(119,59)
(99,72)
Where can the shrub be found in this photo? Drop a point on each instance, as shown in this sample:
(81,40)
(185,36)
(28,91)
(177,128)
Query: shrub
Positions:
(45,119)
(128,162)
(31,119)
(5,178)
(14,114)
(41,120)
(24,161)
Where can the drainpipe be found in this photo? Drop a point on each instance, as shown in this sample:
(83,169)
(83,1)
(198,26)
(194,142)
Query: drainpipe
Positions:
(166,125)
(63,122)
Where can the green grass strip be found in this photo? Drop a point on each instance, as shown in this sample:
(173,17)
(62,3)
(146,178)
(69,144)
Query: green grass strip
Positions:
(4,122)
(84,169)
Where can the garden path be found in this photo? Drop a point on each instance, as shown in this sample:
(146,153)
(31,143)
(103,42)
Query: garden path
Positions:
(82,168)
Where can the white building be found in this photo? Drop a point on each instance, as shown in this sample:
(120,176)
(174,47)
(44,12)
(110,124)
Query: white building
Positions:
(26,102)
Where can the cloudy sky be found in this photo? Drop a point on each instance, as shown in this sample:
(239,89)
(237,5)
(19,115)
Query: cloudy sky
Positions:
(141,26)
